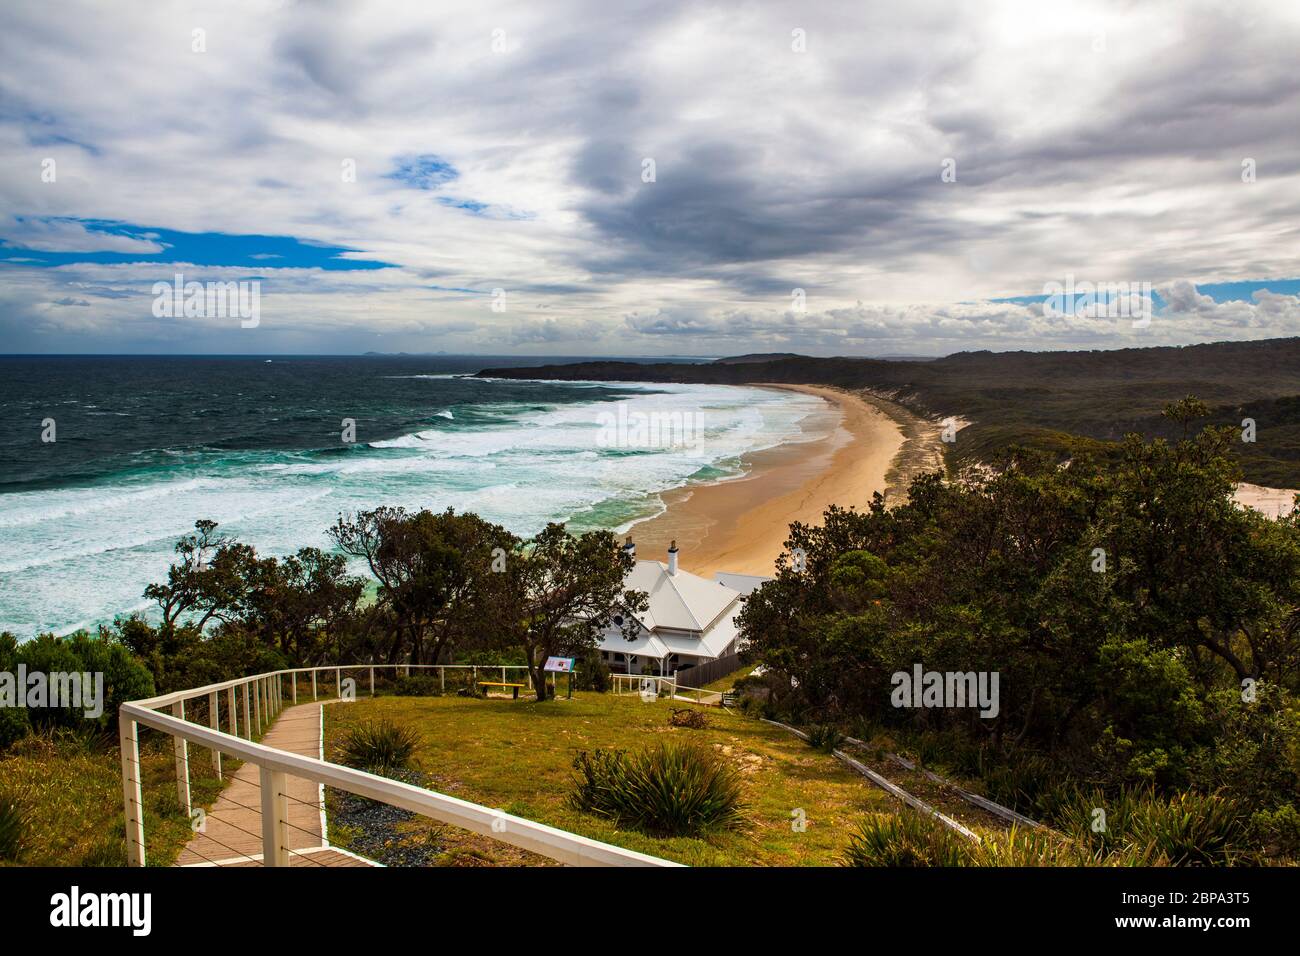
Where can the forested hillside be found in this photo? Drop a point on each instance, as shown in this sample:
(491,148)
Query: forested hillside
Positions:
(1044,399)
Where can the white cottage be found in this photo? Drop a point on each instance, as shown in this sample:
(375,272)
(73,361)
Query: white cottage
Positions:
(689,620)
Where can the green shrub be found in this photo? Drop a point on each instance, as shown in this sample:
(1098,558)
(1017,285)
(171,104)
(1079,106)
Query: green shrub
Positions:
(14,726)
(124,678)
(1136,827)
(1099,822)
(1190,829)
(906,838)
(380,746)
(669,790)
(1255,756)
(592,673)
(417,685)
(13,827)
(824,737)
(1277,831)
(1027,782)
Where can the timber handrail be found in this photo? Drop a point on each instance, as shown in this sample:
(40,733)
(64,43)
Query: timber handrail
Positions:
(276,765)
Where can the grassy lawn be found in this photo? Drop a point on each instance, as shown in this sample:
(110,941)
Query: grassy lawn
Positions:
(518,755)
(71,793)
(726,683)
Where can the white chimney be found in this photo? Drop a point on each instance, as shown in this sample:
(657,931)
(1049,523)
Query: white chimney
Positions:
(629,548)
(672,557)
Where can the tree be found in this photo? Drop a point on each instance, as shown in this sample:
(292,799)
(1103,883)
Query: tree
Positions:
(442,579)
(565,591)
(300,602)
(1114,599)
(209,580)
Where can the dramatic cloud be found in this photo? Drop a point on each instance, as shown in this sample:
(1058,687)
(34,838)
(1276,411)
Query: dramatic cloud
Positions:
(646,177)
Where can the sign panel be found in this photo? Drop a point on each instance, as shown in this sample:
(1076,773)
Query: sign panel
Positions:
(559,665)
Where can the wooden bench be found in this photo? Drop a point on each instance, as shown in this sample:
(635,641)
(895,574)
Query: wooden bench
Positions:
(496,683)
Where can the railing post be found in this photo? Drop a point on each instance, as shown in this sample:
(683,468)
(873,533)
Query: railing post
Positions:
(231,709)
(275,817)
(313,684)
(214,721)
(372,682)
(182,752)
(338,679)
(295,687)
(442,678)
(257,703)
(132,800)
(248,722)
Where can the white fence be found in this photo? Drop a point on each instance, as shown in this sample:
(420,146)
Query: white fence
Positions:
(644,684)
(650,686)
(260,698)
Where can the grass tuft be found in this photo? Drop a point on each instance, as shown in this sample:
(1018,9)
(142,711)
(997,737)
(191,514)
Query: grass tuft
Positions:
(379,746)
(670,789)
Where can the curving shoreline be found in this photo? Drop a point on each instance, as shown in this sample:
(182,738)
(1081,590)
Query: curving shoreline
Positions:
(860,446)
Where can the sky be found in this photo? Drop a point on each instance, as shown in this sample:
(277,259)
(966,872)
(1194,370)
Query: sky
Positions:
(586,177)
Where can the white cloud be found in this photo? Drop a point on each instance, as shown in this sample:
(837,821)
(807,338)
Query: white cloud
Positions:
(1089,139)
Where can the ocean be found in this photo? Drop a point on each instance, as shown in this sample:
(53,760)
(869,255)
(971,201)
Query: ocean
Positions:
(146,445)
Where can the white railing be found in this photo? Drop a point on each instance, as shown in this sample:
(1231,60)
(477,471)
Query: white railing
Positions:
(262,697)
(698,694)
(650,685)
(647,685)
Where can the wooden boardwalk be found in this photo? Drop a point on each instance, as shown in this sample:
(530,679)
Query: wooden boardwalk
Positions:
(232,831)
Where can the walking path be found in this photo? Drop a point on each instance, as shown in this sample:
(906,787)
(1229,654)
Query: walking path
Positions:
(232,830)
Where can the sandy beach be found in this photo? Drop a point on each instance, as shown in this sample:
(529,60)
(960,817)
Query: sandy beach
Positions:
(1274,502)
(741,524)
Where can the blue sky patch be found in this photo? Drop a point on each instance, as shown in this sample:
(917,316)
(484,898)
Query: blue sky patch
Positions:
(1242,291)
(200,248)
(1218,291)
(469,205)
(423,171)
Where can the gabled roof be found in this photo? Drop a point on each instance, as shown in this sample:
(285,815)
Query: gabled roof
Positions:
(681,601)
(746,584)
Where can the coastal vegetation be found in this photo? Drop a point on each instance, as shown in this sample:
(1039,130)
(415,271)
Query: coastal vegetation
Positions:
(1143,628)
